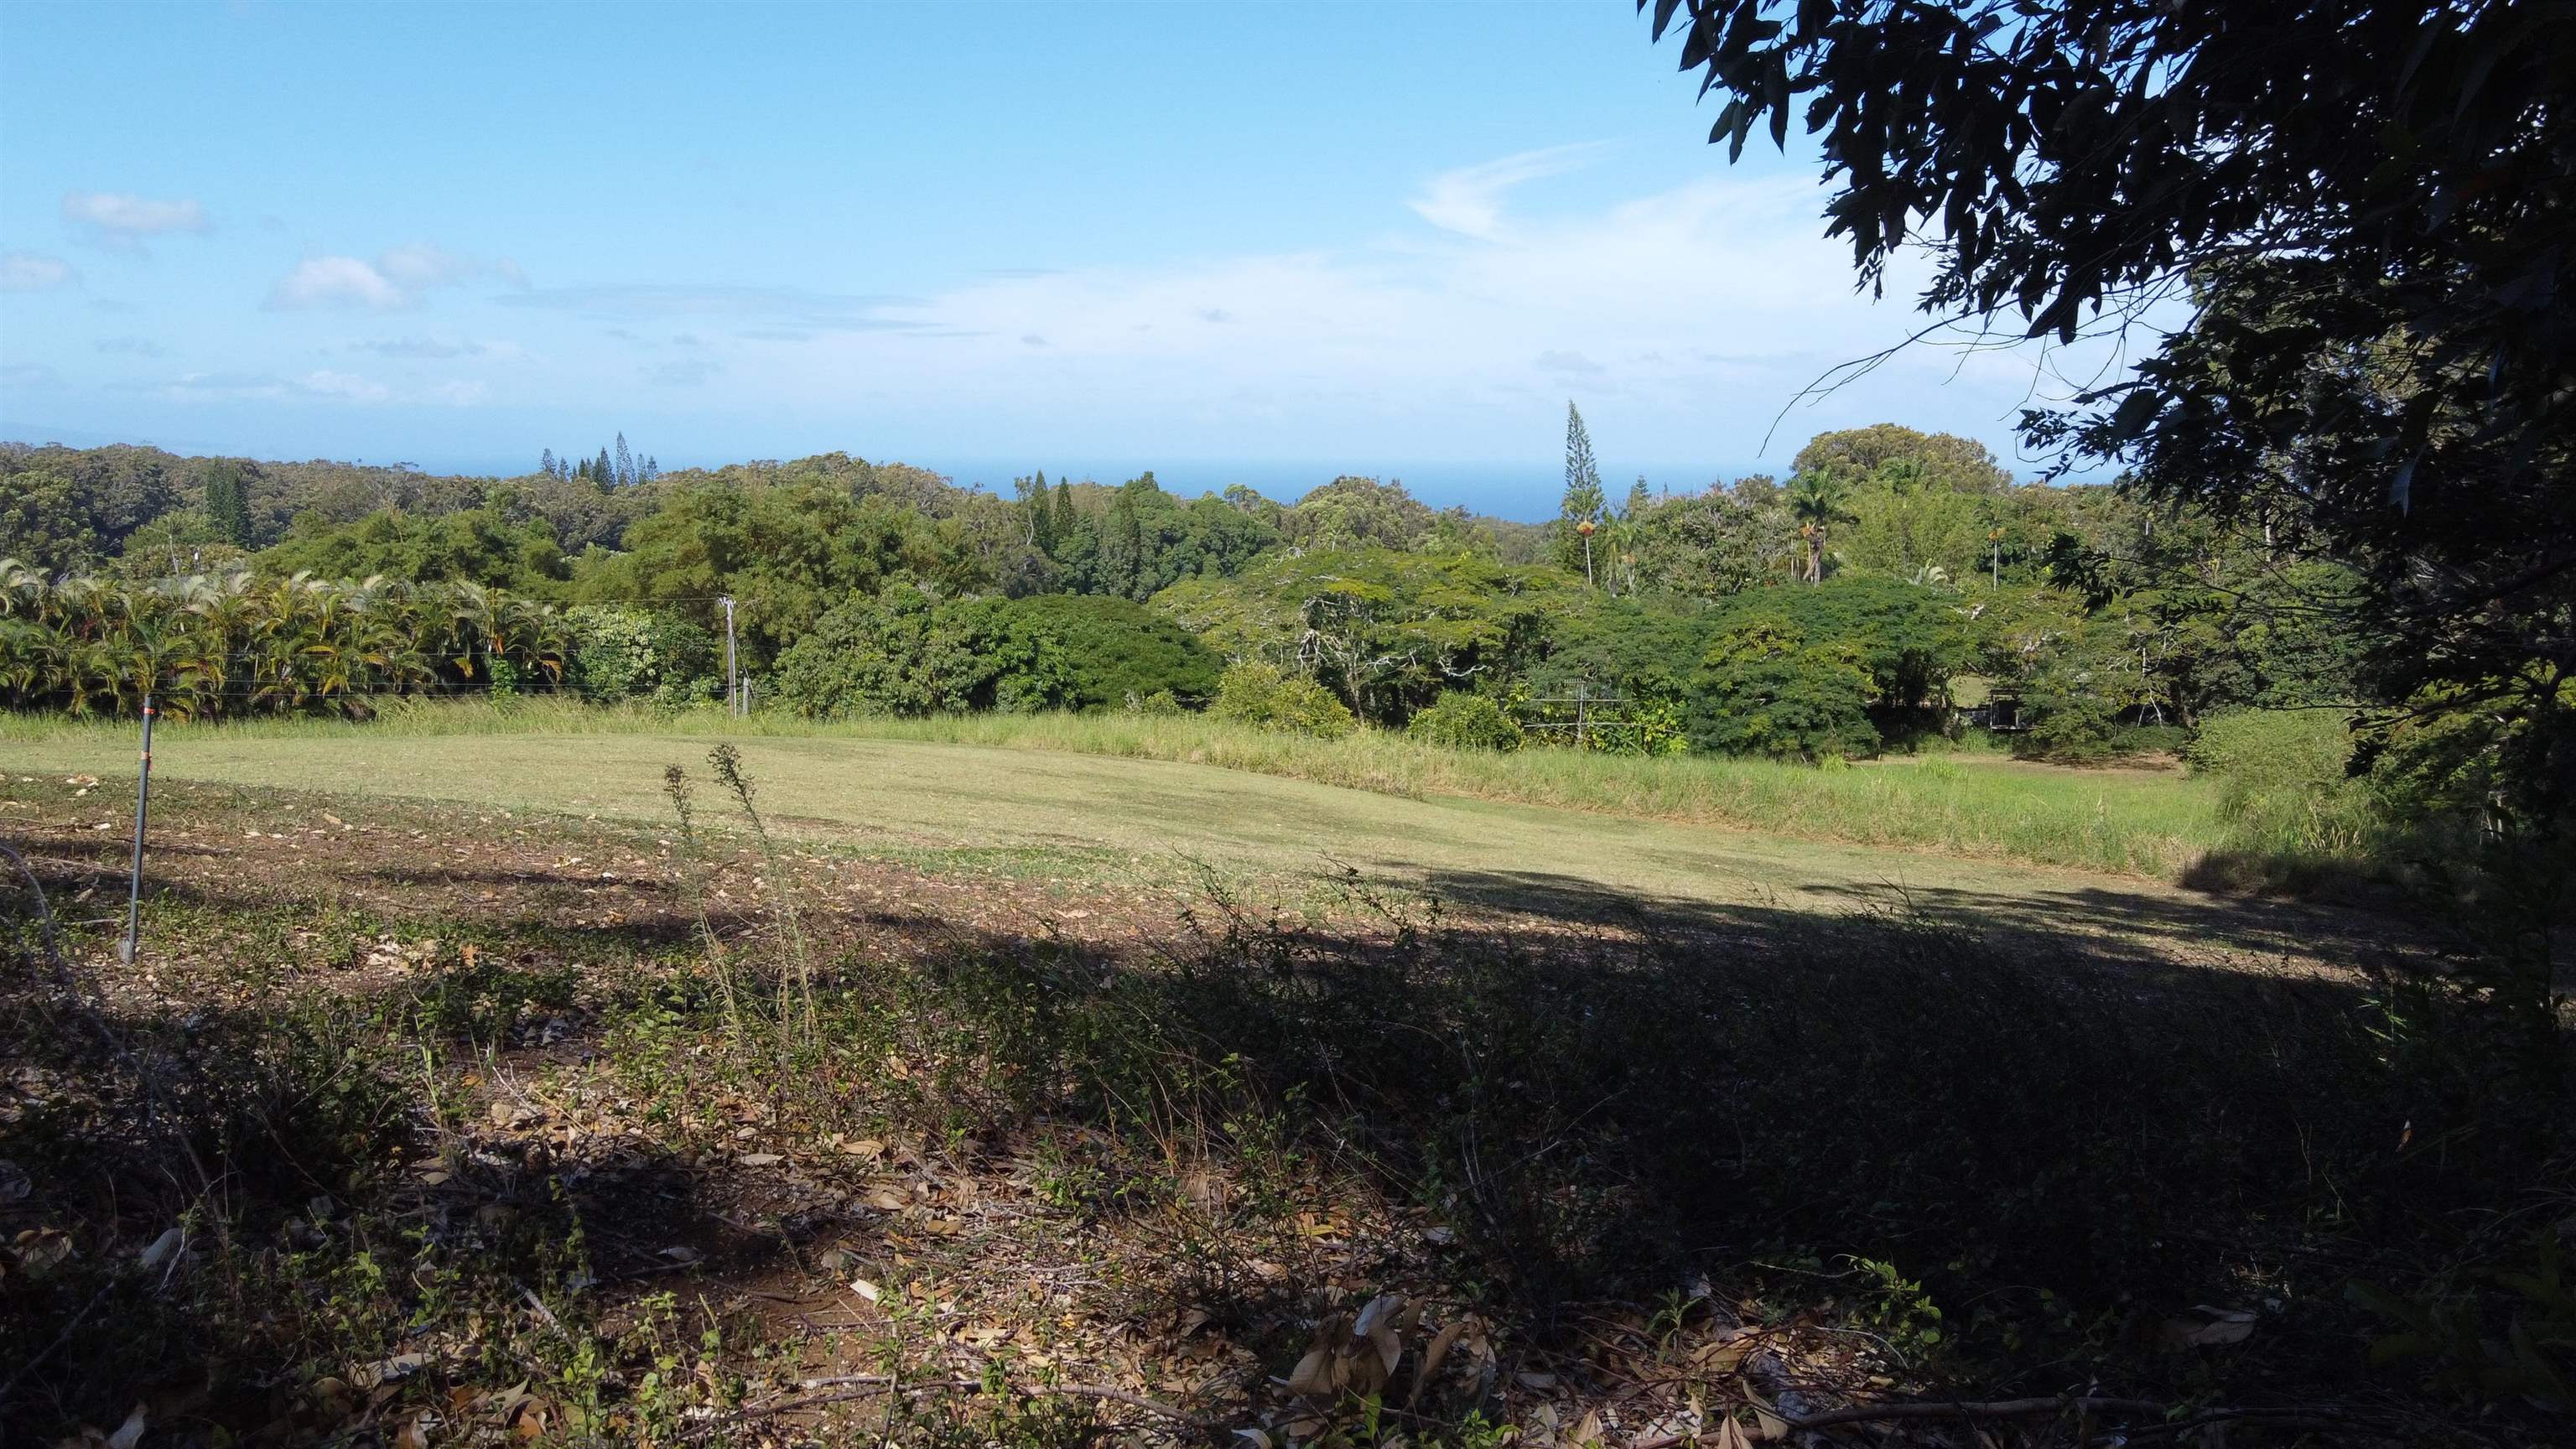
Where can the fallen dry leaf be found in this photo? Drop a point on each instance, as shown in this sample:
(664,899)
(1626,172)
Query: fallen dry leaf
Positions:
(2207,1327)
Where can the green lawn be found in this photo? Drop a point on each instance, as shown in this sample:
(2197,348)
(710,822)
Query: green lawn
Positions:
(2115,821)
(1096,790)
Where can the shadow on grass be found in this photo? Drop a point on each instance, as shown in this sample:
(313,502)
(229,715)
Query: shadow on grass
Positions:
(1964,1087)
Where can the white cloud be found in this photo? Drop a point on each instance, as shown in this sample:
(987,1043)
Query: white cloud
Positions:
(29,375)
(434,349)
(1732,260)
(226,386)
(1469,200)
(346,386)
(320,385)
(119,218)
(426,264)
(336,282)
(826,311)
(28,272)
(417,347)
(395,279)
(1684,321)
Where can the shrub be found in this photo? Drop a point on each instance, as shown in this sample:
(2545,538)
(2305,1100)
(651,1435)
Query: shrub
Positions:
(622,654)
(1162,704)
(1259,694)
(1763,689)
(901,653)
(1117,649)
(1463,721)
(1904,637)
(2069,723)
(2164,739)
(2283,780)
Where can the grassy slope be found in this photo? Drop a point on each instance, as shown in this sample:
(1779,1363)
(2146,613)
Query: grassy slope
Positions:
(2116,821)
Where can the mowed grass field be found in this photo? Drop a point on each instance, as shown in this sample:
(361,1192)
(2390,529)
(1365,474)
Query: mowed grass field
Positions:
(2128,822)
(2039,847)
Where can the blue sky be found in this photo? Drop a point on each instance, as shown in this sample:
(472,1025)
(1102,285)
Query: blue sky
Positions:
(1254,242)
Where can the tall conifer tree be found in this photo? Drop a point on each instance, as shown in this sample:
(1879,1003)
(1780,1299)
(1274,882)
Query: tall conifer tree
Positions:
(1583,500)
(228,503)
(1041,516)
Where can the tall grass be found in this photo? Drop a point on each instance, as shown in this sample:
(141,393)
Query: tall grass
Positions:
(2125,822)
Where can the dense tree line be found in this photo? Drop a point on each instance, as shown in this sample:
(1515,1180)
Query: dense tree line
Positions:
(1822,616)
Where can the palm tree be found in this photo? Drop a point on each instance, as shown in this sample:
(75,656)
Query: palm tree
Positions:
(222,605)
(1818,500)
(22,590)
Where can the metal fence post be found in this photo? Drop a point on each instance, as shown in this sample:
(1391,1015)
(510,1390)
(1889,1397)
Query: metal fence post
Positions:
(142,816)
(731,685)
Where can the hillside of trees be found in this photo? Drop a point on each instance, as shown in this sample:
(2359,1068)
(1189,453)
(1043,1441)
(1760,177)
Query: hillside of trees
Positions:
(1890,578)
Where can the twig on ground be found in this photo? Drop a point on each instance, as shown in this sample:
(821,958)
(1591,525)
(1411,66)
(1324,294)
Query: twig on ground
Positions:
(2314,1416)
(846,1387)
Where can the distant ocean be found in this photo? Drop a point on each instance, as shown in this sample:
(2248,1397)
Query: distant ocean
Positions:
(1527,491)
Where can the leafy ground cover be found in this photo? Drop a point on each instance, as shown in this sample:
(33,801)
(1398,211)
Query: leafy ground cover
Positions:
(441,1122)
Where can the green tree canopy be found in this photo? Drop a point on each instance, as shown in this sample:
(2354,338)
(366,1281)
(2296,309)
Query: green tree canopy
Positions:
(1385,631)
(2365,205)
(484,545)
(1354,512)
(1115,650)
(903,653)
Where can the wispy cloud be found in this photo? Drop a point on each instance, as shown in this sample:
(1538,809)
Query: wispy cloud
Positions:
(688,372)
(421,265)
(394,280)
(1463,344)
(336,282)
(29,376)
(130,346)
(321,385)
(347,386)
(29,272)
(820,311)
(433,349)
(227,386)
(120,220)
(416,347)
(1469,200)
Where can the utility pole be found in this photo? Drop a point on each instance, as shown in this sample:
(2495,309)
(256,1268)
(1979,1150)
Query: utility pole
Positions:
(142,813)
(732,703)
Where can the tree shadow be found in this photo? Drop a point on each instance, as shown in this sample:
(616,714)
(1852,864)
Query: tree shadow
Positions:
(1611,1091)
(2142,928)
